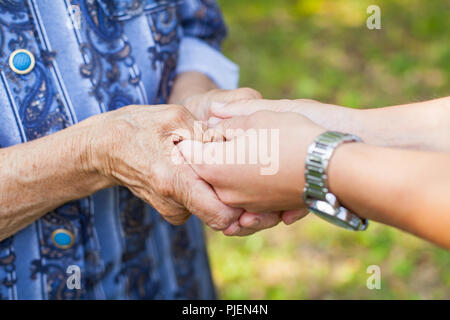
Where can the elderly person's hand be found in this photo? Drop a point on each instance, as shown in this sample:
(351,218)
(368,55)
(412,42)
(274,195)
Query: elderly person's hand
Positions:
(134,147)
(245,185)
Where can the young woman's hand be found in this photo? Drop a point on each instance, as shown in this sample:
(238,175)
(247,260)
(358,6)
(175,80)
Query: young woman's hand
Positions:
(266,173)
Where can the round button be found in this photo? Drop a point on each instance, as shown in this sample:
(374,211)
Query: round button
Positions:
(21,61)
(63,239)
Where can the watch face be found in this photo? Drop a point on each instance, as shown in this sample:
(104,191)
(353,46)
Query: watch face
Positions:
(332,219)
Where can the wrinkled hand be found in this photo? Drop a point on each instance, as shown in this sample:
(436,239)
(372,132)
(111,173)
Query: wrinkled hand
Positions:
(244,185)
(135,147)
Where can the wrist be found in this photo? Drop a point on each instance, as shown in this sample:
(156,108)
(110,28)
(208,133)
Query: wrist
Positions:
(94,147)
(318,195)
(303,139)
(332,117)
(343,161)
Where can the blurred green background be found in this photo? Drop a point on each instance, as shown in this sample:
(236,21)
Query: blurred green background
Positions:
(321,49)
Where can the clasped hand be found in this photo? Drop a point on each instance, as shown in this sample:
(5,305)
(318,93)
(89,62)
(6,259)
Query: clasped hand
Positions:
(253,127)
(143,149)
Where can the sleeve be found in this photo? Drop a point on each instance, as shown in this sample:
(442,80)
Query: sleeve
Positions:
(203,32)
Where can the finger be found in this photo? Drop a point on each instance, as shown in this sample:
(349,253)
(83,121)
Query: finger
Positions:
(232,127)
(219,98)
(200,127)
(250,223)
(170,210)
(289,217)
(243,232)
(182,125)
(212,135)
(192,151)
(213,121)
(200,199)
(204,203)
(233,229)
(236,230)
(259,221)
(226,96)
(175,216)
(242,108)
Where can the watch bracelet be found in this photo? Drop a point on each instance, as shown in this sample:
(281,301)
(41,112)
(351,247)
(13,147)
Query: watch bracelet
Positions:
(317,160)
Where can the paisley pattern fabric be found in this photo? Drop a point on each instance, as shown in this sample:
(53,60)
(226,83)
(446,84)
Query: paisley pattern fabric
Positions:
(94,56)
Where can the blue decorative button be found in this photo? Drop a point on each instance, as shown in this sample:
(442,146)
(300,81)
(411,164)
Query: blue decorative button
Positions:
(21,61)
(63,239)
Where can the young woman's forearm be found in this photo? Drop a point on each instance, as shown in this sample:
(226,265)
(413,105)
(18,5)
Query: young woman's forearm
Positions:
(423,125)
(40,175)
(406,189)
(420,126)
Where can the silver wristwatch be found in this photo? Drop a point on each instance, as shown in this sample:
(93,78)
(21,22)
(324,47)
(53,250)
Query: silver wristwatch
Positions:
(316,195)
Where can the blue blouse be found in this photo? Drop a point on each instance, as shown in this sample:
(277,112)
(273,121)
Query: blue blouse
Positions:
(93,56)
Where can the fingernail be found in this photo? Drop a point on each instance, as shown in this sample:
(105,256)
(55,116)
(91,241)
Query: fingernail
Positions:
(237,230)
(234,232)
(255,222)
(233,229)
(292,220)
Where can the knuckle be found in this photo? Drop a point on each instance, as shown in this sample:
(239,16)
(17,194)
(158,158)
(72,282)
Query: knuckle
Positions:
(174,214)
(218,223)
(220,220)
(176,218)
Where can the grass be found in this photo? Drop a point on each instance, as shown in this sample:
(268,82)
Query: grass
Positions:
(321,49)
